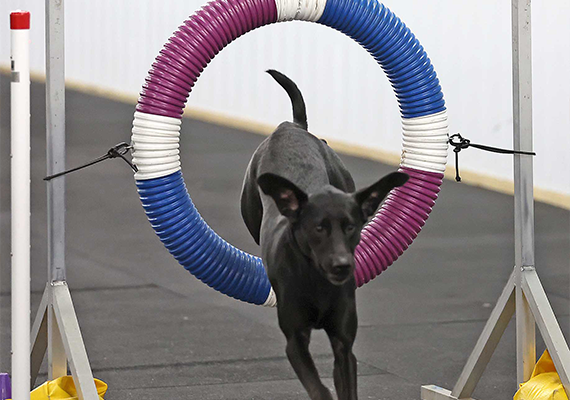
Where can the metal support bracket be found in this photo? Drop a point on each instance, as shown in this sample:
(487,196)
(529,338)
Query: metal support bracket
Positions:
(534,298)
(548,326)
(64,335)
(488,341)
(433,392)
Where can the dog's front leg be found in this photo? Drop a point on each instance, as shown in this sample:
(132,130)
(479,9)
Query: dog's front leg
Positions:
(342,332)
(344,368)
(302,362)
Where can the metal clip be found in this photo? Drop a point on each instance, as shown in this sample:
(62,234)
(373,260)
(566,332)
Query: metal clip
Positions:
(118,150)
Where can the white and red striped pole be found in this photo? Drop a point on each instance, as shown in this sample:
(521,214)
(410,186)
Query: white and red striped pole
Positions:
(20,175)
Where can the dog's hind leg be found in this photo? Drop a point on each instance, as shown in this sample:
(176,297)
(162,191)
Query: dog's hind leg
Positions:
(302,362)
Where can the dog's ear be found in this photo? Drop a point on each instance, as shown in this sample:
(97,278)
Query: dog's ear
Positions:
(370,198)
(288,197)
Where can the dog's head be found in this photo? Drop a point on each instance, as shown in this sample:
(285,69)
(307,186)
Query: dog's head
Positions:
(326,224)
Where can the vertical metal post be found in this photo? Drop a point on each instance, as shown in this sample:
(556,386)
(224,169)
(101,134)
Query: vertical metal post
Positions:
(523,172)
(55,153)
(56,326)
(55,135)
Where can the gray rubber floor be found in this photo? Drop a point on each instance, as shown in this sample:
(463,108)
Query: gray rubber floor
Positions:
(155,332)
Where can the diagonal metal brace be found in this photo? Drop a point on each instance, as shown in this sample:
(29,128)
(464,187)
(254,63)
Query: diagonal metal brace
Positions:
(57,298)
(488,341)
(548,326)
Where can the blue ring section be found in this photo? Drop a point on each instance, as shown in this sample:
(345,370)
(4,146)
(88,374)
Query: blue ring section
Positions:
(196,246)
(394,47)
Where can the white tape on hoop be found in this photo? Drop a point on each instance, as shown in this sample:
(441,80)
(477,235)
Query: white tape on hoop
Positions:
(304,10)
(155,142)
(271,299)
(425,142)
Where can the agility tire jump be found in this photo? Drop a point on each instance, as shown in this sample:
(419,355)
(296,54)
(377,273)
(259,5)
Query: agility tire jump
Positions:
(157,120)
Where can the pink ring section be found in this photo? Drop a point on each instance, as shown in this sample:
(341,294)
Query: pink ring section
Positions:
(193,45)
(397,224)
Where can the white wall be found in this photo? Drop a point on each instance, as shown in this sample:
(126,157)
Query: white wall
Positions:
(112,44)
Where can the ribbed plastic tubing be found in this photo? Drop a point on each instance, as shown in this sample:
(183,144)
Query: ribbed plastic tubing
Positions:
(160,183)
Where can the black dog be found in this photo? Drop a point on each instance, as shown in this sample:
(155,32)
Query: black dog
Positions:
(308,223)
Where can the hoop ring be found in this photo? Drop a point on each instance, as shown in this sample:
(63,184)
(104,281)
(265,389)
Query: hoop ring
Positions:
(157,120)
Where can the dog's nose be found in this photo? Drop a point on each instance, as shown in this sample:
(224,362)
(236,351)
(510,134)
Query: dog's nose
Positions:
(341,268)
(341,265)
(340,260)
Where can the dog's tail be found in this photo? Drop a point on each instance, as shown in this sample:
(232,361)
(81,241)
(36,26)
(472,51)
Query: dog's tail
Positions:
(299,111)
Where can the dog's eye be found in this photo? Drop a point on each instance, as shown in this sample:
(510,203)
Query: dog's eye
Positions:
(319,228)
(350,228)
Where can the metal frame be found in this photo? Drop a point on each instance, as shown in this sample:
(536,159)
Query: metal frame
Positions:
(56,329)
(523,294)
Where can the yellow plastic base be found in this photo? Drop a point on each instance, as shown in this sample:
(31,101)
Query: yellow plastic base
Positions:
(63,388)
(544,383)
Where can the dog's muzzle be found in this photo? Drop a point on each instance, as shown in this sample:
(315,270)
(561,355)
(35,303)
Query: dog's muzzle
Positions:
(340,271)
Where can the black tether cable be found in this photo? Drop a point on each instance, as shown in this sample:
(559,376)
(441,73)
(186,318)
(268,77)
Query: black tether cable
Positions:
(463,143)
(118,150)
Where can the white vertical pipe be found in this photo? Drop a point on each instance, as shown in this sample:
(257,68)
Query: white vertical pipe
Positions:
(20,175)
